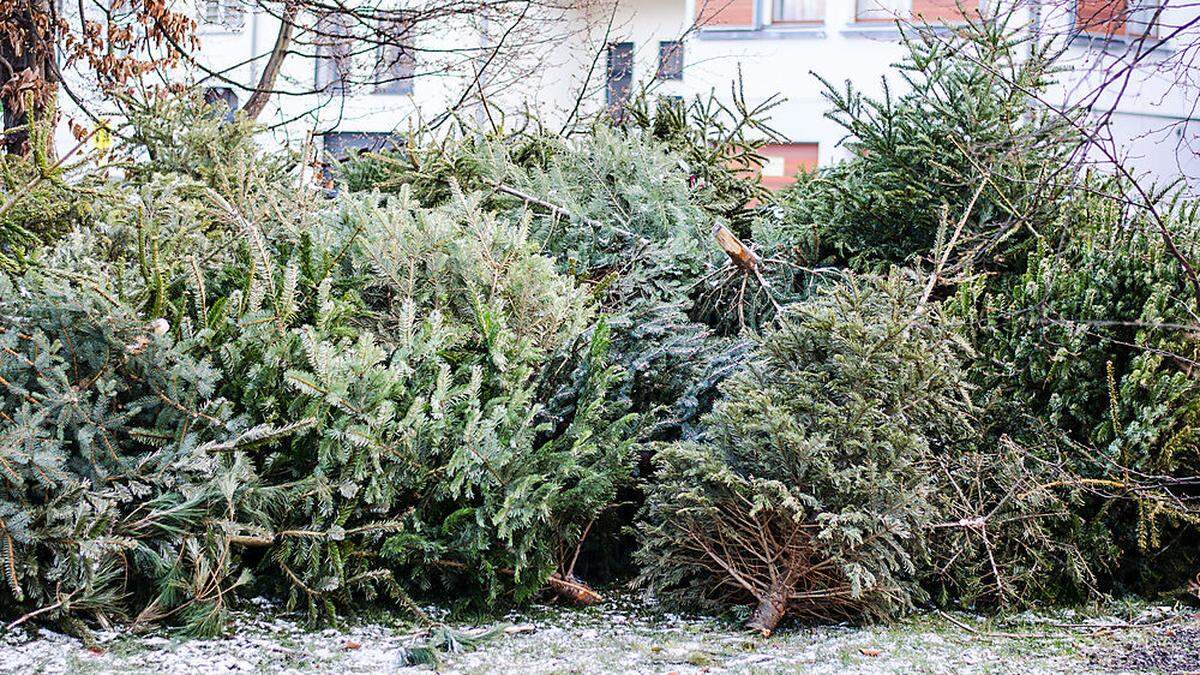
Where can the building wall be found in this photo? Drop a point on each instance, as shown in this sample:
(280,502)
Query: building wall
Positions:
(741,44)
(1154,125)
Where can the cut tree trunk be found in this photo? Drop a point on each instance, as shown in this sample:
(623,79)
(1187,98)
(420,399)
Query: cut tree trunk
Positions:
(771,608)
(566,587)
(739,253)
(573,590)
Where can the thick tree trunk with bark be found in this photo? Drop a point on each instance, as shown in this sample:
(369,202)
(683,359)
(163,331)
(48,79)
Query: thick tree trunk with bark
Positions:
(771,607)
(266,82)
(28,78)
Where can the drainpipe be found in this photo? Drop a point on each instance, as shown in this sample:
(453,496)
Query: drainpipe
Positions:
(1035,25)
(484,44)
(254,47)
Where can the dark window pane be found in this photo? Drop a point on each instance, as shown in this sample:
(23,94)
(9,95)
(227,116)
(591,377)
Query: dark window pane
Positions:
(396,61)
(223,99)
(620,75)
(670,60)
(340,144)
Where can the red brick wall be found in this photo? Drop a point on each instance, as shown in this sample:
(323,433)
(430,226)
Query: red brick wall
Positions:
(1104,17)
(795,156)
(934,11)
(725,12)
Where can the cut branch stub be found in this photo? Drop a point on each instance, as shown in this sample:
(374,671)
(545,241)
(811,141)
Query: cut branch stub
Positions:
(739,253)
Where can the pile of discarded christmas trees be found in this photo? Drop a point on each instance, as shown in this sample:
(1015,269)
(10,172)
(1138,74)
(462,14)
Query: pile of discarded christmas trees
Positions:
(491,367)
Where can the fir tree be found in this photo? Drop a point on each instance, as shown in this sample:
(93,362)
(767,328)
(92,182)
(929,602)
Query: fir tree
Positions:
(807,495)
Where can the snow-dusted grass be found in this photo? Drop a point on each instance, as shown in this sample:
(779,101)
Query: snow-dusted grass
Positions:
(629,636)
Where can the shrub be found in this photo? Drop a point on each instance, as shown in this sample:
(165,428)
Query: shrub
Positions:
(184,137)
(716,140)
(619,214)
(847,473)
(1011,530)
(114,502)
(40,200)
(425,456)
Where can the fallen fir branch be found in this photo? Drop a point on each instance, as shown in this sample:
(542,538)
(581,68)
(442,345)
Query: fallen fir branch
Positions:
(443,639)
(1087,628)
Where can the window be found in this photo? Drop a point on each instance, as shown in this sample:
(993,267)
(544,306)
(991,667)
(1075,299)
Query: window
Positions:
(1100,16)
(620,76)
(229,14)
(933,11)
(1144,19)
(880,10)
(396,63)
(670,60)
(798,11)
(224,100)
(342,144)
(784,161)
(333,54)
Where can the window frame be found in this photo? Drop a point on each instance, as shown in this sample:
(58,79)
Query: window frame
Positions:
(859,18)
(1103,30)
(909,13)
(405,58)
(230,16)
(777,11)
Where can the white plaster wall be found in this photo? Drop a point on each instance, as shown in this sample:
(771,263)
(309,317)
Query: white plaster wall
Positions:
(1155,123)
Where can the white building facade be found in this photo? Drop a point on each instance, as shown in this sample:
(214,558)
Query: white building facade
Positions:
(691,47)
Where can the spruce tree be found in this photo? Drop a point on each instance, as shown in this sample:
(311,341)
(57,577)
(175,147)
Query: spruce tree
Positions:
(807,495)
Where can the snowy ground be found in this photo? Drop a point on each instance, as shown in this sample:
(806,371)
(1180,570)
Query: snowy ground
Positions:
(630,637)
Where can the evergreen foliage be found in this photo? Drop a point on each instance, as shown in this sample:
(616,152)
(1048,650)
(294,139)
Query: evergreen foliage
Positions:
(620,214)
(717,141)
(807,494)
(1079,312)
(336,405)
(1094,337)
(115,506)
(964,140)
(40,200)
(182,137)
(1012,532)
(465,376)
